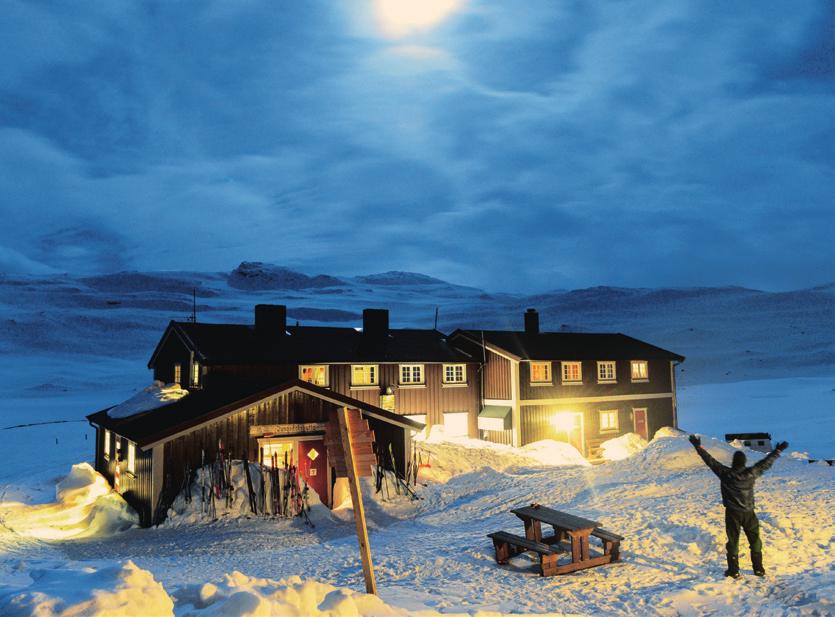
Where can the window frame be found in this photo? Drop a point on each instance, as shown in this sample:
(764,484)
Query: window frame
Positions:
(131,458)
(614,377)
(413,384)
(374,382)
(178,373)
(454,382)
(326,368)
(106,443)
(549,373)
(632,365)
(608,412)
(571,382)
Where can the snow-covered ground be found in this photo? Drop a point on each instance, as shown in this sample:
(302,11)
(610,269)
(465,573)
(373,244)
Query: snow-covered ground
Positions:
(756,362)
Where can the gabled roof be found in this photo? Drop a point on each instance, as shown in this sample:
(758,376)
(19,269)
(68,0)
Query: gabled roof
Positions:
(200,406)
(240,344)
(521,345)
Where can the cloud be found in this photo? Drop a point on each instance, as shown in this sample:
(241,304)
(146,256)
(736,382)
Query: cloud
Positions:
(507,146)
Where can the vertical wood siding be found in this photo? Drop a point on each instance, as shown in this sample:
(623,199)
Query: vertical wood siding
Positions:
(135,488)
(497,377)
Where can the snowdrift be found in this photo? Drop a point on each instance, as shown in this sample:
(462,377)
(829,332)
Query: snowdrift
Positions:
(622,447)
(85,506)
(446,457)
(154,396)
(124,590)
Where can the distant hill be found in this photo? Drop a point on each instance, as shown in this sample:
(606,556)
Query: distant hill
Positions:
(257,275)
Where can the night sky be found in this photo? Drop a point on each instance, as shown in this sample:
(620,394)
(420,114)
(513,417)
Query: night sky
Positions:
(517,146)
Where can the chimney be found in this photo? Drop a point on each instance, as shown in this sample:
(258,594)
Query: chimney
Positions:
(375,323)
(270,319)
(531,321)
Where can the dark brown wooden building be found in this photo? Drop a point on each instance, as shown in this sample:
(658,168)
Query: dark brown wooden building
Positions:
(584,388)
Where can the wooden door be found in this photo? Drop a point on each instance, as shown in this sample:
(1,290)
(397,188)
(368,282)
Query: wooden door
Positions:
(313,466)
(639,418)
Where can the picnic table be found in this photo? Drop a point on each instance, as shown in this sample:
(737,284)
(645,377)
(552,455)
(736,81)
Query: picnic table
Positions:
(571,533)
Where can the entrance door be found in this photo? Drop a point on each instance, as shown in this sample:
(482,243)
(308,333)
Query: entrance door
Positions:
(568,427)
(639,418)
(313,466)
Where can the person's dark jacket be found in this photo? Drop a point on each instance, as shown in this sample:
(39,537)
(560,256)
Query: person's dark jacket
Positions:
(738,483)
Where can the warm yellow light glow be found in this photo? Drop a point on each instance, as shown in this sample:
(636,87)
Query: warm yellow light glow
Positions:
(401,17)
(564,421)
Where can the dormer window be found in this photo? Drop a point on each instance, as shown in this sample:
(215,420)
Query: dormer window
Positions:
(178,373)
(640,370)
(195,374)
(317,374)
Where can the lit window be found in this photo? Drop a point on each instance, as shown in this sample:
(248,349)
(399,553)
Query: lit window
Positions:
(572,372)
(455,373)
(276,452)
(195,374)
(106,443)
(317,374)
(364,375)
(411,374)
(640,370)
(606,372)
(131,457)
(609,420)
(178,373)
(540,372)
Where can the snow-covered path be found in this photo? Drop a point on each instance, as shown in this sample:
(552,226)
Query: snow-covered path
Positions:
(435,553)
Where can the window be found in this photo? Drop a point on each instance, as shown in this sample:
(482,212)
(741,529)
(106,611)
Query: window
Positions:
(540,372)
(178,373)
(106,444)
(195,374)
(455,373)
(606,372)
(608,420)
(640,370)
(364,374)
(131,457)
(572,372)
(317,374)
(411,374)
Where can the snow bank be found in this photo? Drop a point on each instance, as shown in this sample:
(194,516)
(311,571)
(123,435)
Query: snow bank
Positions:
(446,457)
(623,446)
(154,396)
(85,506)
(671,450)
(123,590)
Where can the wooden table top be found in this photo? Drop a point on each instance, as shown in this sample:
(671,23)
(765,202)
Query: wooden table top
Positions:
(564,520)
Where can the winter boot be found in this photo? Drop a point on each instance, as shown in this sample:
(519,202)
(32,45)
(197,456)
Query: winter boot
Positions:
(757,562)
(733,566)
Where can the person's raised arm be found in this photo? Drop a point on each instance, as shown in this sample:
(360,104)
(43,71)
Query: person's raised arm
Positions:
(715,466)
(763,465)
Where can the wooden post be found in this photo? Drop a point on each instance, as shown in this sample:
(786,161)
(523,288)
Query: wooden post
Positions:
(356,499)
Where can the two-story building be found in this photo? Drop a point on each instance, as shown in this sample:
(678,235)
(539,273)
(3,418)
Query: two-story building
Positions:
(583,388)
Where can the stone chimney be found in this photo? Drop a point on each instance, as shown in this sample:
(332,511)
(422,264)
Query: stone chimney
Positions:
(531,321)
(270,320)
(375,324)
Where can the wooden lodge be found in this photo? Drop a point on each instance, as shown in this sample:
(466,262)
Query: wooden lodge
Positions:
(271,388)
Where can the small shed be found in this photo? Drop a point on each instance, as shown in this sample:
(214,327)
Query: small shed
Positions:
(761,442)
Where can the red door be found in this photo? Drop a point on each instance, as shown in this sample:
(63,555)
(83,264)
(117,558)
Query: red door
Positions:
(639,417)
(313,466)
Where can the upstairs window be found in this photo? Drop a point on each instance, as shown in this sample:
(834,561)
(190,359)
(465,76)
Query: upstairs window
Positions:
(195,374)
(640,370)
(455,373)
(540,372)
(572,372)
(178,373)
(608,420)
(364,374)
(411,374)
(317,374)
(106,444)
(131,457)
(606,372)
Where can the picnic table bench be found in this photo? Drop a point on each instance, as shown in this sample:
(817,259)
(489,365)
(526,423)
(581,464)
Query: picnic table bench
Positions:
(569,530)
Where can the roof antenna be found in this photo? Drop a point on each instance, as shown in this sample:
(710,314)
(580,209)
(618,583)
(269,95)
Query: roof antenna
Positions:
(436,317)
(193,305)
